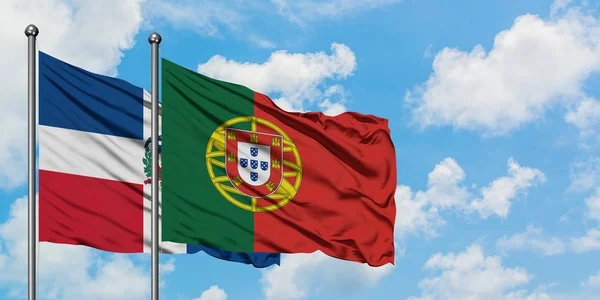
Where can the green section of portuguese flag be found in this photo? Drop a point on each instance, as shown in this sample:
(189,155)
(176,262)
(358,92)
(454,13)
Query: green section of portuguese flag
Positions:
(193,106)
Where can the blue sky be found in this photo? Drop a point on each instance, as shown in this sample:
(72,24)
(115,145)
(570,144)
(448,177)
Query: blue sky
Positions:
(493,111)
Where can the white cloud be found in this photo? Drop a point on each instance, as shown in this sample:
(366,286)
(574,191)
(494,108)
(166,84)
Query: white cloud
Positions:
(496,196)
(532,239)
(444,189)
(498,91)
(301,11)
(117,278)
(331,109)
(214,18)
(204,17)
(420,211)
(524,295)
(593,282)
(64,271)
(589,242)
(213,293)
(593,205)
(168,266)
(73,31)
(472,275)
(415,214)
(300,274)
(559,6)
(428,51)
(296,77)
(165,268)
(334,99)
(261,42)
(586,116)
(585,174)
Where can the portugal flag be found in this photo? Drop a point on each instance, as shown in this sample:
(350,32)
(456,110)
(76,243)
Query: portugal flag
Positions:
(241,174)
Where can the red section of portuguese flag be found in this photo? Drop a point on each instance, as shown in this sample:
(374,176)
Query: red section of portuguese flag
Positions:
(345,203)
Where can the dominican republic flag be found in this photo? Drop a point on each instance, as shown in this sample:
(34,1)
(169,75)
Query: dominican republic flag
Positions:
(94,165)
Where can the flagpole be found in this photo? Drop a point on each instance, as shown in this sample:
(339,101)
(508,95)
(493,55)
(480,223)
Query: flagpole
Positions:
(31,32)
(154,39)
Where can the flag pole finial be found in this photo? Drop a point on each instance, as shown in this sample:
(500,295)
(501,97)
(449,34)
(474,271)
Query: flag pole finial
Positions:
(154,38)
(32,30)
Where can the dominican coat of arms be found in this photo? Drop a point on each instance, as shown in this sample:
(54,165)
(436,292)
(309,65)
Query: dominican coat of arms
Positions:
(148,160)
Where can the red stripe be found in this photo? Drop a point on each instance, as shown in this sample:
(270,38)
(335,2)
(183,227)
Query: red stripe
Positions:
(99,213)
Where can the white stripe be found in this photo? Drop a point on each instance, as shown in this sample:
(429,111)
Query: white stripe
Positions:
(91,154)
(167,247)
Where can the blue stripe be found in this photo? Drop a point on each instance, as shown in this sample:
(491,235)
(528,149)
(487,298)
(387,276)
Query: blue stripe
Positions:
(257,259)
(73,98)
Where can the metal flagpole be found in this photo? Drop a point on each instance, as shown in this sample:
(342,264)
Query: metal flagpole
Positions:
(31,32)
(154,40)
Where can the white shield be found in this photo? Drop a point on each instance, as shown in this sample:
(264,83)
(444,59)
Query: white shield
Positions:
(254,163)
